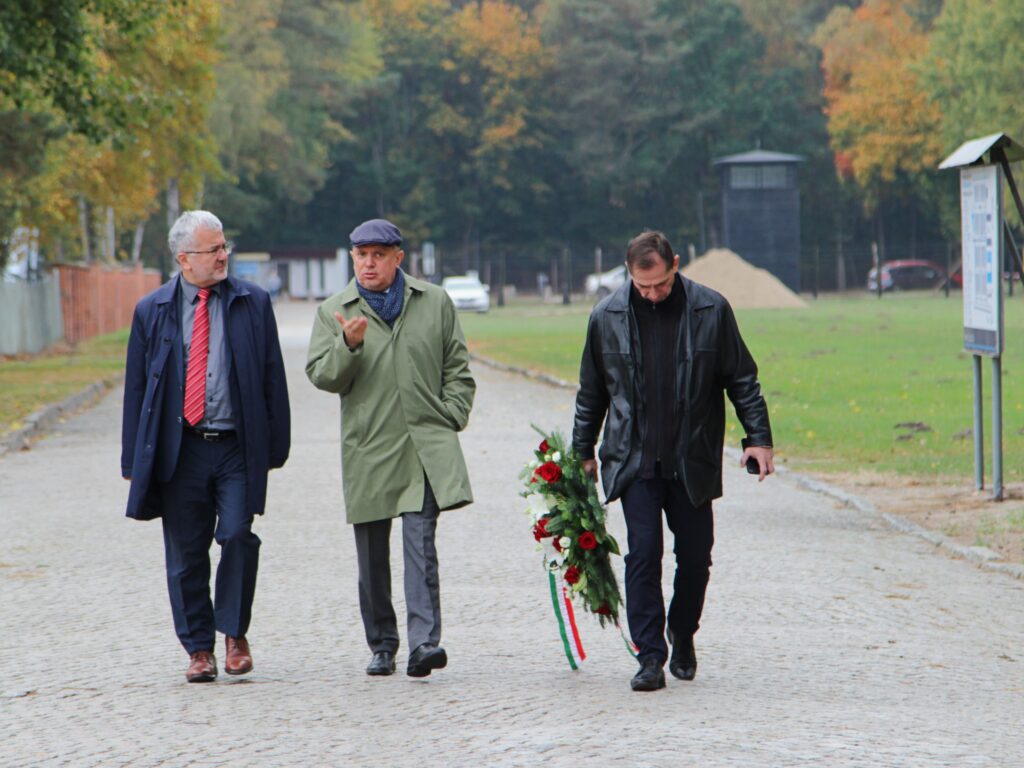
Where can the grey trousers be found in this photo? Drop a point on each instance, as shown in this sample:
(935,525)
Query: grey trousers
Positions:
(422,586)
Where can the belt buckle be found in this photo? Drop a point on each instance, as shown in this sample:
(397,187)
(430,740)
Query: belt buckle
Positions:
(209,436)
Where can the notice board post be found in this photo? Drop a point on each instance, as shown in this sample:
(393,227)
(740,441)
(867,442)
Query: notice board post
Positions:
(984,165)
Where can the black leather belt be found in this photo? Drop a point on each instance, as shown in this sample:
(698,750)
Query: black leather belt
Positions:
(211,436)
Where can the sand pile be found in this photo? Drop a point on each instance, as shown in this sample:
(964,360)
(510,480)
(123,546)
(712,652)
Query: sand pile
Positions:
(744,285)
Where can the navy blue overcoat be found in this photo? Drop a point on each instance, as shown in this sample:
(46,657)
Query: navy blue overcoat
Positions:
(152,425)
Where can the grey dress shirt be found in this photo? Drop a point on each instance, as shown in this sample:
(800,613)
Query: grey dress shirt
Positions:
(217,414)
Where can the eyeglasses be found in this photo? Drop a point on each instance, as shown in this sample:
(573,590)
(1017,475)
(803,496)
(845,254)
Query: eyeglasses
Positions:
(226,247)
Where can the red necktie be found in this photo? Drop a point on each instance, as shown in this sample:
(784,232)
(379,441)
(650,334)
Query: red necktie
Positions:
(195,379)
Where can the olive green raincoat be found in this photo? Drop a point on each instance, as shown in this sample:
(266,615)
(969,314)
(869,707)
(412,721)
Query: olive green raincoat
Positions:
(405,394)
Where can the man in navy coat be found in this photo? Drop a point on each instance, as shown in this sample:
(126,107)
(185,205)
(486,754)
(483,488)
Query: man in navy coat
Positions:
(197,448)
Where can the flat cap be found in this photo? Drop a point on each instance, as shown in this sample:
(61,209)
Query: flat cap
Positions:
(380,231)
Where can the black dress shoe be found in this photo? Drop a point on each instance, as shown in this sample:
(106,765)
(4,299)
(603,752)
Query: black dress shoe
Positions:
(382,663)
(651,677)
(683,663)
(426,659)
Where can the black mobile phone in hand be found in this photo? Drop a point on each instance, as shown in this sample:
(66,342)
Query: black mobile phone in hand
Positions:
(753,468)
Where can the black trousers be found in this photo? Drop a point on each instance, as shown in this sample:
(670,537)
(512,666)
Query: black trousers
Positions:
(203,501)
(643,503)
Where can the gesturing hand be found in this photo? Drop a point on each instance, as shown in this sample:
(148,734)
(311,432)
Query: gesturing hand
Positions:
(353,330)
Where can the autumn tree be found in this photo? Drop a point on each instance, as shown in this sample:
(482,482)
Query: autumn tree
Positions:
(490,124)
(970,69)
(884,127)
(445,138)
(644,96)
(285,87)
(53,84)
(790,99)
(48,55)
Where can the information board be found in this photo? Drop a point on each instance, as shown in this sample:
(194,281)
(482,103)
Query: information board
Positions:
(981,225)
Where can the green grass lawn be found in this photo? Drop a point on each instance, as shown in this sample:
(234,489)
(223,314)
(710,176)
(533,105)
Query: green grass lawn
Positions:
(27,385)
(839,377)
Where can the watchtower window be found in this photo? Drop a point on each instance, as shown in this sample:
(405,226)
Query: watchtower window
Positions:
(759,177)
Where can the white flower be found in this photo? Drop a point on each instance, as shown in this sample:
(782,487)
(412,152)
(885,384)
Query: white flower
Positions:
(552,557)
(556,457)
(547,457)
(565,542)
(537,506)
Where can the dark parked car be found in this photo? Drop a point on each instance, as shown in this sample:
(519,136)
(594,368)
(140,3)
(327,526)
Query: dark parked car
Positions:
(907,275)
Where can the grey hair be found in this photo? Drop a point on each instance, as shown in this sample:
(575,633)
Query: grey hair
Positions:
(183,232)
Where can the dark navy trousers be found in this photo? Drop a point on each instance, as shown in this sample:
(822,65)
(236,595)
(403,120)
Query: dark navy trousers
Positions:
(644,503)
(203,501)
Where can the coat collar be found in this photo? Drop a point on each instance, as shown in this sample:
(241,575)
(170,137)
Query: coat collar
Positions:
(351,293)
(697,297)
(232,287)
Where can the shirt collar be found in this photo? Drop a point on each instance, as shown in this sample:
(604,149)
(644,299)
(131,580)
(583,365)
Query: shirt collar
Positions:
(191,292)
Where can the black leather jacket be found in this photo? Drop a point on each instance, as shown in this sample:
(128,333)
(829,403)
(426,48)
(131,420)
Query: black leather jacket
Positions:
(711,358)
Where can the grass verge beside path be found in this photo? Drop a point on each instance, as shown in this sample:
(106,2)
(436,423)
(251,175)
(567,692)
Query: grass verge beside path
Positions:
(28,384)
(851,382)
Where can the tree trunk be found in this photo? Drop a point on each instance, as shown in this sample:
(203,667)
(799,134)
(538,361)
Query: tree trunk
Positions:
(913,230)
(109,236)
(140,230)
(840,258)
(467,245)
(83,223)
(173,202)
(880,220)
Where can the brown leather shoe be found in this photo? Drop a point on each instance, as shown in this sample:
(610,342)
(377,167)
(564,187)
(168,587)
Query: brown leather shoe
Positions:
(202,668)
(239,658)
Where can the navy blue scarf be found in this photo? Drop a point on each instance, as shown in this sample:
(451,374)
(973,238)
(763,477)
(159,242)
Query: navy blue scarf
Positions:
(387,304)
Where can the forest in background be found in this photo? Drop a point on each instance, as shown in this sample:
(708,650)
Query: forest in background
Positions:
(513,127)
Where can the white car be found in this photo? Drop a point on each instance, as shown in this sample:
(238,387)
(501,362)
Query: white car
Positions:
(602,284)
(467,292)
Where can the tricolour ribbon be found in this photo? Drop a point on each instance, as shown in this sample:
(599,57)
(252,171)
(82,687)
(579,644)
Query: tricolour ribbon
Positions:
(566,620)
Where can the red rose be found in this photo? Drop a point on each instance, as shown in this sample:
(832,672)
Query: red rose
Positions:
(604,610)
(549,471)
(572,574)
(544,447)
(587,540)
(540,530)
(555,544)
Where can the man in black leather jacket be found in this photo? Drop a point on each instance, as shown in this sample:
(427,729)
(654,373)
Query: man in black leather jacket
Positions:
(659,354)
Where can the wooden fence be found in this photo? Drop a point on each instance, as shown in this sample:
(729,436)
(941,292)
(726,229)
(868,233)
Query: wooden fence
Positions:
(98,299)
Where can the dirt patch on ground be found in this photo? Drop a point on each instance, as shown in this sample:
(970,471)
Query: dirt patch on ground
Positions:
(743,284)
(967,516)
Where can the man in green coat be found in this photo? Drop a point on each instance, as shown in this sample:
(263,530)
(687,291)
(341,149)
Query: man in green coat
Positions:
(391,346)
